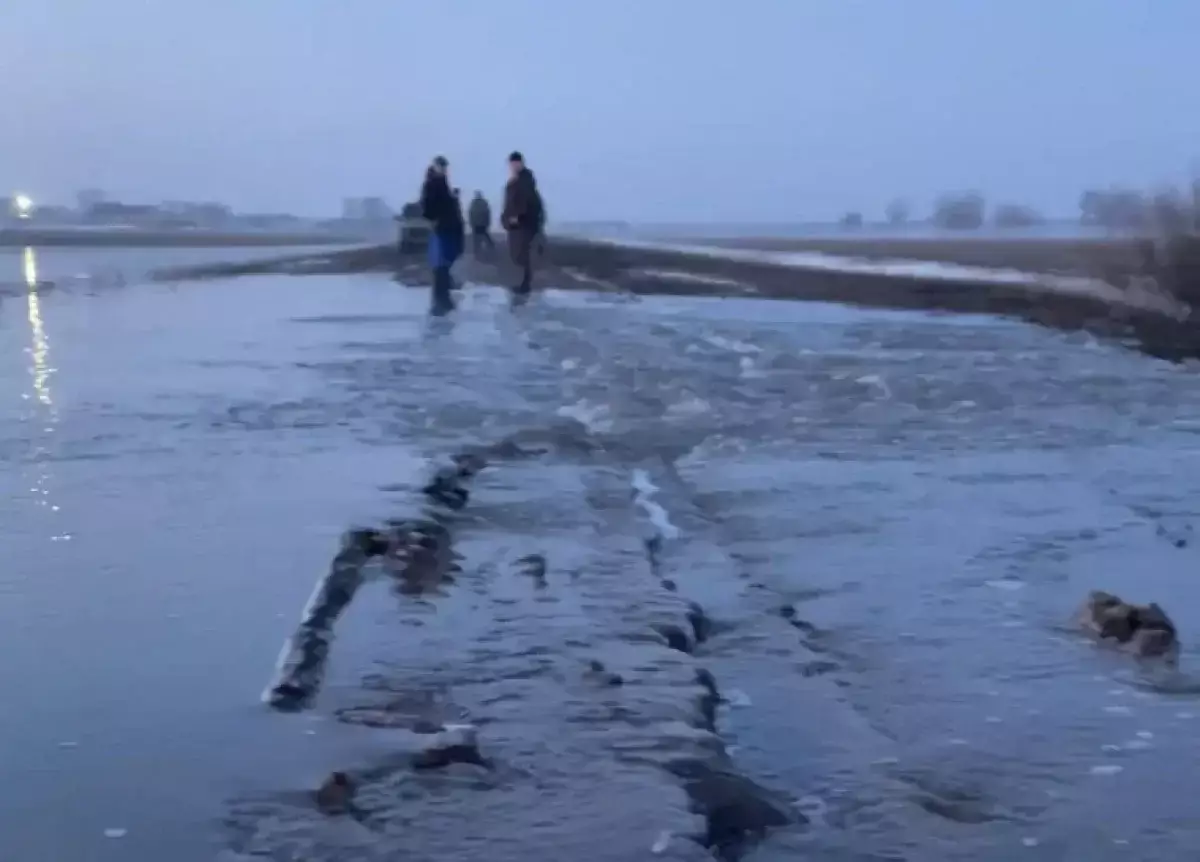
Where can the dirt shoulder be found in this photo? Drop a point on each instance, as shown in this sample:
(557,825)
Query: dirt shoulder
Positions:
(1107,258)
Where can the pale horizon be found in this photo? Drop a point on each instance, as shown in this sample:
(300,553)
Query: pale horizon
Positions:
(760,113)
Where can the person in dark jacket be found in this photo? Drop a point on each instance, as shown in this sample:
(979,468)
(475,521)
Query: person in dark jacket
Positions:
(523,218)
(479,214)
(442,209)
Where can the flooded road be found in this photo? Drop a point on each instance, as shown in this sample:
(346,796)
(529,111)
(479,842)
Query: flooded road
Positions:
(885,518)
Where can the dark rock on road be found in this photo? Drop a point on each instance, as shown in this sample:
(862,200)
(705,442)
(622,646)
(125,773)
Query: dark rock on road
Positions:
(336,795)
(1144,630)
(601,675)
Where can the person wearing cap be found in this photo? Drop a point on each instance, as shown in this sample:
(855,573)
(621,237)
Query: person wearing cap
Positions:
(523,218)
(443,210)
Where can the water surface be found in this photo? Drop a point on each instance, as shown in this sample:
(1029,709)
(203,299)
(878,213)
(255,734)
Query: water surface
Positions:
(932,494)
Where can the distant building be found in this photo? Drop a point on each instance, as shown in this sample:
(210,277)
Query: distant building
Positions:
(54,214)
(270,221)
(366,209)
(375,209)
(117,213)
(85,199)
(200,214)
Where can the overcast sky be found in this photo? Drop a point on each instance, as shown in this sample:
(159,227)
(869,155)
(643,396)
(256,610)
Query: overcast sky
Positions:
(646,110)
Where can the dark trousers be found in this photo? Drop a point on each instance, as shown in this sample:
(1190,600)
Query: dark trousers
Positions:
(444,250)
(523,246)
(481,239)
(443,285)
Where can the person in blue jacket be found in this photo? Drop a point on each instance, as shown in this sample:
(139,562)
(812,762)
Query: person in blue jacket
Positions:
(443,210)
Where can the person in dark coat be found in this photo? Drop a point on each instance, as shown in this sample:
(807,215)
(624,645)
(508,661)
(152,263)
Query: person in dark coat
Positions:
(443,210)
(524,217)
(479,214)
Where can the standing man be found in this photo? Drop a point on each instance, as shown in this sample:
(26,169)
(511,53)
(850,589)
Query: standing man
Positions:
(479,214)
(441,208)
(523,218)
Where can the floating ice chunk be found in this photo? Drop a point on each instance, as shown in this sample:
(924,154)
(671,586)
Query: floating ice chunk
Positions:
(737,697)
(1007,584)
(644,490)
(732,344)
(693,277)
(661,843)
(813,807)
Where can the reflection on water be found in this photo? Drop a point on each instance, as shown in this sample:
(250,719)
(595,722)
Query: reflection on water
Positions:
(45,414)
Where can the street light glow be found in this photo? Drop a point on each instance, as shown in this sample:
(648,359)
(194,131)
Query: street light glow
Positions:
(23,204)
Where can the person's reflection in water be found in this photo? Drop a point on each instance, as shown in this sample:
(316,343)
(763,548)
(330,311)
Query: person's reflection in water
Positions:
(437,327)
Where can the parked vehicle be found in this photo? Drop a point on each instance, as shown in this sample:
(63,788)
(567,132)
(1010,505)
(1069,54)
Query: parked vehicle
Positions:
(414,230)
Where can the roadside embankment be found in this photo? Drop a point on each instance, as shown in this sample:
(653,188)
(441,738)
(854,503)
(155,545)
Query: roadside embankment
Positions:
(1143,314)
(1102,257)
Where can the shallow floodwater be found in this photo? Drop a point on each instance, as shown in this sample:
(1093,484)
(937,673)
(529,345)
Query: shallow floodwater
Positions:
(932,495)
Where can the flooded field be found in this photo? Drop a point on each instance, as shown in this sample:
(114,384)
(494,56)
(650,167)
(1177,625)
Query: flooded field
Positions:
(869,528)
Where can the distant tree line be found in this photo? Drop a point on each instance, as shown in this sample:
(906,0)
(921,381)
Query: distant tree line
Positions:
(960,211)
(1169,211)
(968,211)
